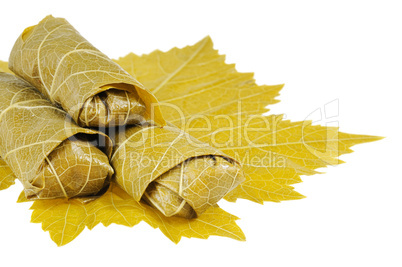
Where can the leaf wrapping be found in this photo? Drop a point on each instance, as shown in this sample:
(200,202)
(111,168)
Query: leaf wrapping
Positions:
(171,170)
(35,142)
(71,72)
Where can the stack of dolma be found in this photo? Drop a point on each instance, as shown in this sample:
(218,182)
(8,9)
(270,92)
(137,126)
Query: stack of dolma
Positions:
(65,84)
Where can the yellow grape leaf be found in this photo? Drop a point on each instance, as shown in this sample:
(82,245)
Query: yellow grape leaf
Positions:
(66,219)
(7,177)
(196,79)
(22,198)
(208,98)
(116,206)
(274,152)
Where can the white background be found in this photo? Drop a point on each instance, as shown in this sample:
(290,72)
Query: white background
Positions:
(322,51)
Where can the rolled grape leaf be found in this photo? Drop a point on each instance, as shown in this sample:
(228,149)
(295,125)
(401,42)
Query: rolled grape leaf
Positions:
(172,171)
(72,73)
(51,155)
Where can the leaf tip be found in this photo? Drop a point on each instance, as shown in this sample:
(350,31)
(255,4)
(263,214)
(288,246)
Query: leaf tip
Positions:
(377,138)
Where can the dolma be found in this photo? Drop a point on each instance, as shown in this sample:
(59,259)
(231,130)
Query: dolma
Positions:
(72,73)
(172,171)
(51,155)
